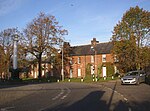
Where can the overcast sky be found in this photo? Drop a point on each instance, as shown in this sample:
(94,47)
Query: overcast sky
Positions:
(84,19)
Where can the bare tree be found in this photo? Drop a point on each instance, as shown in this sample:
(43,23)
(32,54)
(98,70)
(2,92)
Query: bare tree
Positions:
(42,35)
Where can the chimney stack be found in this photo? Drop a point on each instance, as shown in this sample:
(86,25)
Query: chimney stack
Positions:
(94,42)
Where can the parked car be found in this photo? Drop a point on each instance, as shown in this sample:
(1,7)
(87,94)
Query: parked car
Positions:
(133,77)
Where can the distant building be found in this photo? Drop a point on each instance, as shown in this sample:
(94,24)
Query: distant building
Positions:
(95,58)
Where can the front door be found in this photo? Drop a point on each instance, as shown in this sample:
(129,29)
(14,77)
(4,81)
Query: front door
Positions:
(92,70)
(104,72)
(79,72)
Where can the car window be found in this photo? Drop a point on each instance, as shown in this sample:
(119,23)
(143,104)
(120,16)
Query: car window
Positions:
(132,73)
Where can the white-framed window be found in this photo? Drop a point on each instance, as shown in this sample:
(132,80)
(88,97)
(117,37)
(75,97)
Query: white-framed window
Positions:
(79,60)
(116,59)
(71,73)
(71,62)
(92,58)
(104,58)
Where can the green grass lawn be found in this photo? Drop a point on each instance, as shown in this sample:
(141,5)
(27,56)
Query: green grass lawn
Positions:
(34,80)
(89,79)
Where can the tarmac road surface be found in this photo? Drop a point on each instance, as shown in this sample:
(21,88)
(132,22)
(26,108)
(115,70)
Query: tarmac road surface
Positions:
(65,97)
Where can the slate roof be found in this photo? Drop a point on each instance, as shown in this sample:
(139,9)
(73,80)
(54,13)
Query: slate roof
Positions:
(101,48)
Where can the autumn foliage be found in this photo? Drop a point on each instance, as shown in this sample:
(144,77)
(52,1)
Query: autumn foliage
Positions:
(42,35)
(131,38)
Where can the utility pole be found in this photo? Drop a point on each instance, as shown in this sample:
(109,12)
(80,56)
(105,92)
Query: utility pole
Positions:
(62,69)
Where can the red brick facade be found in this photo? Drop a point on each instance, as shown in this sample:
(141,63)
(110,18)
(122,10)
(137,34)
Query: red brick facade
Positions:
(97,59)
(78,69)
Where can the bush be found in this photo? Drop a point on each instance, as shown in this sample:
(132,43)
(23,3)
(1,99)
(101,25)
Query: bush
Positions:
(88,69)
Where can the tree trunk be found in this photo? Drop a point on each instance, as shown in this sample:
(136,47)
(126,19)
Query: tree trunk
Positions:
(39,65)
(138,54)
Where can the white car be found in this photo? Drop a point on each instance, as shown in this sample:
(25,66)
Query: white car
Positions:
(133,77)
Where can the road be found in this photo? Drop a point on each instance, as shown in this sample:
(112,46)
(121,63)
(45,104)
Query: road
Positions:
(109,96)
(137,96)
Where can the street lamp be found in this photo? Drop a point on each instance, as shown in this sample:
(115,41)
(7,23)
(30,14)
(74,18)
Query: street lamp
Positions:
(62,61)
(93,49)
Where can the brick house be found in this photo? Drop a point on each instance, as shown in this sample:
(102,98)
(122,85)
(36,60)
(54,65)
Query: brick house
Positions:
(93,58)
(48,70)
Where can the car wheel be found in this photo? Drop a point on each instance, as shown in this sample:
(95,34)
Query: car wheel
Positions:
(137,83)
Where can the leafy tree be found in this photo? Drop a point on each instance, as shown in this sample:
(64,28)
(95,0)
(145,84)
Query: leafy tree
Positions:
(42,35)
(2,65)
(58,58)
(6,44)
(145,57)
(88,69)
(66,53)
(22,54)
(110,69)
(99,69)
(130,35)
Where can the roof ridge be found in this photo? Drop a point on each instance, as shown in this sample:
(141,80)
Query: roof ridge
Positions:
(81,45)
(91,44)
(102,48)
(104,42)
